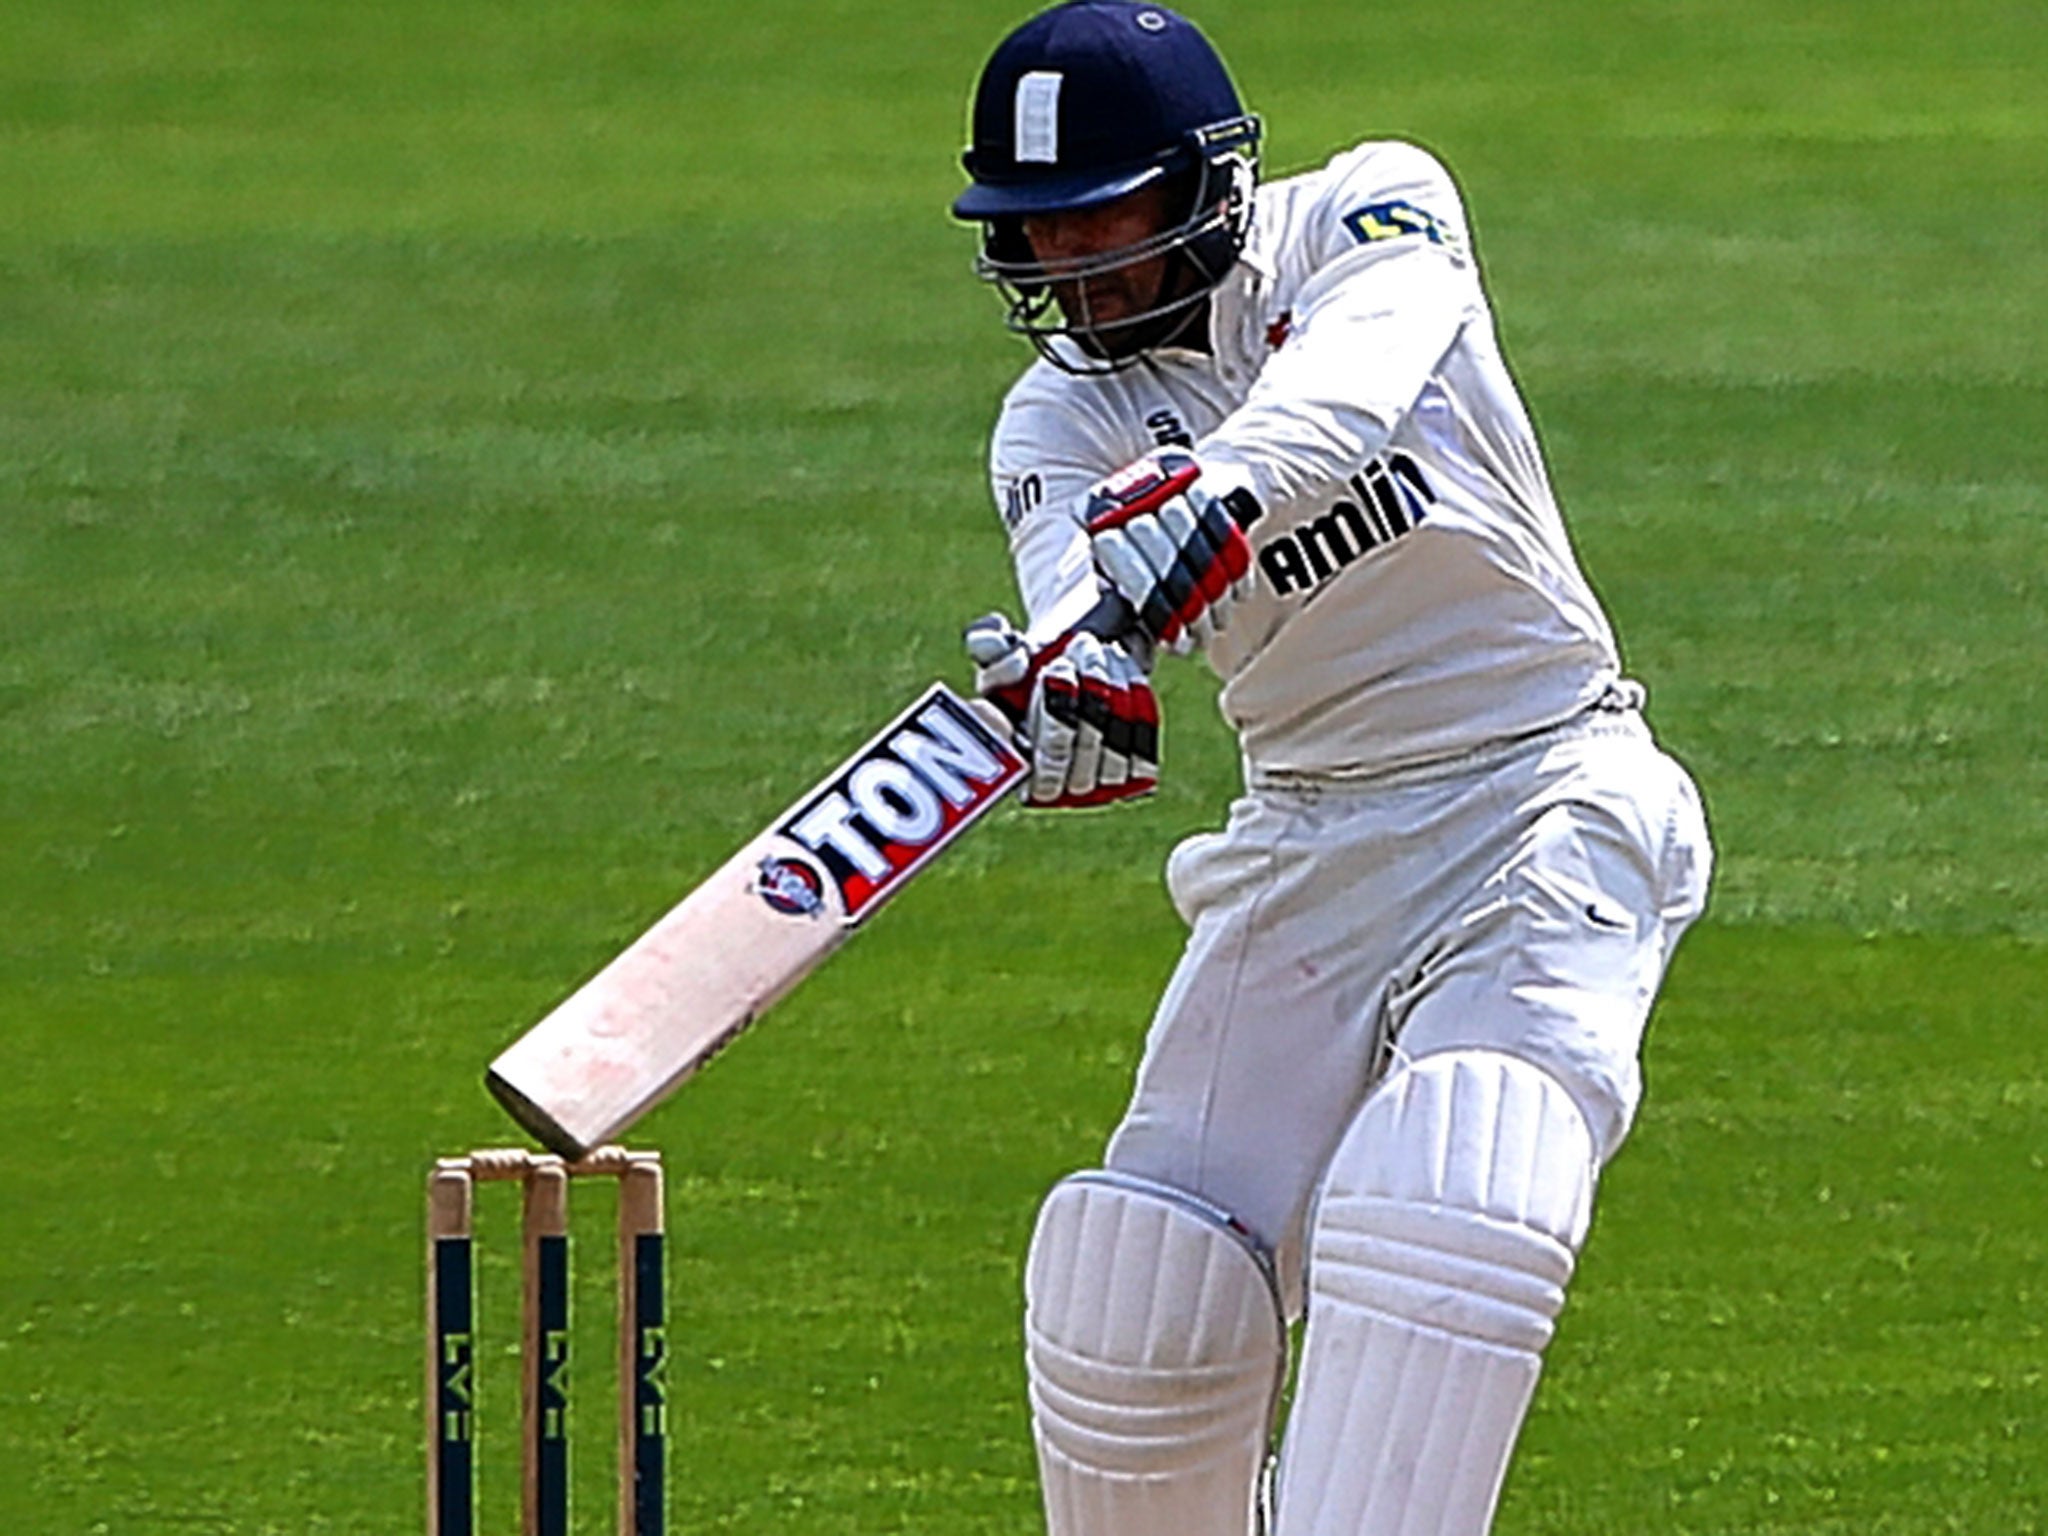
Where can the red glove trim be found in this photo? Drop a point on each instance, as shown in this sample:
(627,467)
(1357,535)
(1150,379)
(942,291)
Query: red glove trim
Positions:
(1149,487)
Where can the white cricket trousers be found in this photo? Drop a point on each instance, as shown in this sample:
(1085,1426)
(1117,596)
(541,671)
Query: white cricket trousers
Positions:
(1526,899)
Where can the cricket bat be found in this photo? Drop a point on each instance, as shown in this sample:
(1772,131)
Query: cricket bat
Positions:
(775,911)
(772,914)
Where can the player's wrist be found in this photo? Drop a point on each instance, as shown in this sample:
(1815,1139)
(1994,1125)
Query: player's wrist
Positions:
(1233,481)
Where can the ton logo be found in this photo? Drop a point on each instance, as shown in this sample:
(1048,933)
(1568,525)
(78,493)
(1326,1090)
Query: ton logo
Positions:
(896,803)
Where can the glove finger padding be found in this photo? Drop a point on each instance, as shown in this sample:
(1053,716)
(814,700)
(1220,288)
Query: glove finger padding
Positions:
(1130,741)
(1098,692)
(1127,566)
(1176,553)
(1002,659)
(1092,767)
(1083,711)
(1197,585)
(1052,729)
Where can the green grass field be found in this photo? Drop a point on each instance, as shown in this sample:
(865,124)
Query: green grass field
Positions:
(463,468)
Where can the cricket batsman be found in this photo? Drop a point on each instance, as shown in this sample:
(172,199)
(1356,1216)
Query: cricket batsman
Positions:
(1402,1041)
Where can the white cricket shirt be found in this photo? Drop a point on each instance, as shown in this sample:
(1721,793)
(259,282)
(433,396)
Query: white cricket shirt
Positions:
(1417,594)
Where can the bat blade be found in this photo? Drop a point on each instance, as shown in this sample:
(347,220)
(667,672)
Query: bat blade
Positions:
(762,922)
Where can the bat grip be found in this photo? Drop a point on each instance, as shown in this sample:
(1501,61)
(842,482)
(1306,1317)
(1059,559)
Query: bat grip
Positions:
(1111,618)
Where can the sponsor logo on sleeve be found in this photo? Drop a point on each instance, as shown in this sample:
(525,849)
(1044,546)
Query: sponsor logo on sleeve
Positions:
(895,804)
(1394,219)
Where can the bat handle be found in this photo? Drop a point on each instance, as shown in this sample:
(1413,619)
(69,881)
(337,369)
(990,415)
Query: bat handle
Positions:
(1112,618)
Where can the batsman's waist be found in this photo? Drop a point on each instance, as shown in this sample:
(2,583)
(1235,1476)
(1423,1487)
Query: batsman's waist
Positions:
(1616,710)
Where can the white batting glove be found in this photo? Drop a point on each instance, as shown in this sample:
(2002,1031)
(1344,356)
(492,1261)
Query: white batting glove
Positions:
(1173,551)
(1084,712)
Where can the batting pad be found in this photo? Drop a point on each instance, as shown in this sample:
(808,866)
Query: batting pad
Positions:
(1448,1227)
(1156,1347)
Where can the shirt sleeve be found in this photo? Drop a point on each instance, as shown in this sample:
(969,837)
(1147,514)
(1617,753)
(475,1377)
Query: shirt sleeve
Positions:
(1043,458)
(1390,281)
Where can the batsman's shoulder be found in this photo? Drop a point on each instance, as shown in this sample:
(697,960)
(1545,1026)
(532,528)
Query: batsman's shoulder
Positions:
(1053,438)
(1386,170)
(1042,386)
(1039,384)
(1388,163)
(1052,415)
(1383,195)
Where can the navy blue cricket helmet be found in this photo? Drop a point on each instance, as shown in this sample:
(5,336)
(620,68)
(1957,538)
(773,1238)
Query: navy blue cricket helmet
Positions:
(1082,105)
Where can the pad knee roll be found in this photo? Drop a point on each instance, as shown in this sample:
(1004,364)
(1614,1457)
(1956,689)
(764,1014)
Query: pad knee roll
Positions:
(1447,1230)
(1156,1348)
